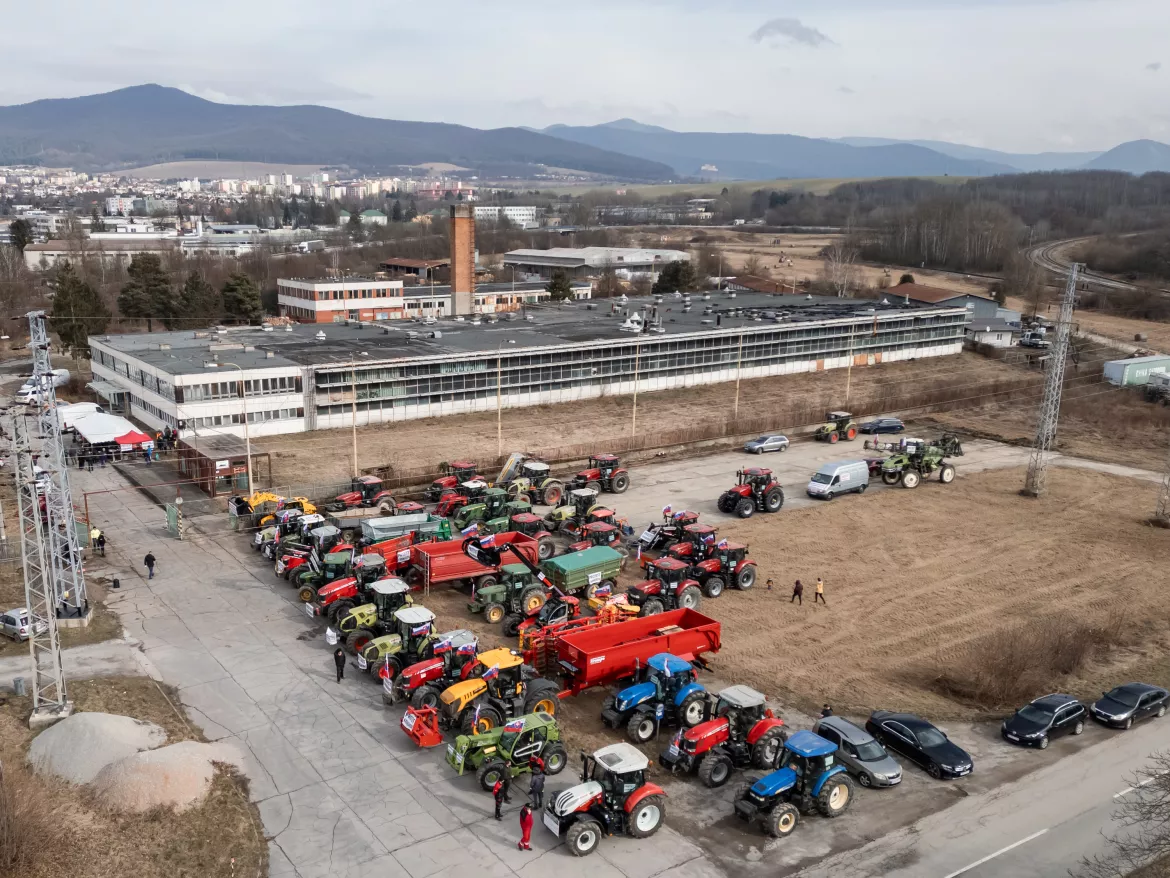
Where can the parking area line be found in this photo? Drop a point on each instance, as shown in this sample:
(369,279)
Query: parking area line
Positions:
(997,853)
(1147,781)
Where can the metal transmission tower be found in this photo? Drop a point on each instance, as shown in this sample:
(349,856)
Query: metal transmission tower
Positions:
(62,547)
(1050,404)
(1162,511)
(48,688)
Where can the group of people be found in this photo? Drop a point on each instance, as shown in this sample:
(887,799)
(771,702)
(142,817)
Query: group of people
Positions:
(798,592)
(501,792)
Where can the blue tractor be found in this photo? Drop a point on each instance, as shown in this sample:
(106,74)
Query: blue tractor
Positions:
(666,692)
(806,779)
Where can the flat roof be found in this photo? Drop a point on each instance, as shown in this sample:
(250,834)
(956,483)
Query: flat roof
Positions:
(543,325)
(596,256)
(930,295)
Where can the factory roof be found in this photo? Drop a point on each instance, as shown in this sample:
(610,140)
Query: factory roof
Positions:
(929,295)
(594,257)
(545,325)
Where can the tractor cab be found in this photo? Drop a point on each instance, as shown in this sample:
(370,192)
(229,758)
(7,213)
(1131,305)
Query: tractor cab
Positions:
(364,491)
(527,523)
(335,565)
(453,653)
(694,541)
(666,692)
(400,639)
(324,538)
(743,707)
(414,623)
(472,489)
(490,504)
(557,609)
(668,673)
(837,426)
(757,478)
(599,533)
(574,508)
(535,470)
(409,507)
(501,669)
(455,473)
(667,586)
(389,595)
(464,493)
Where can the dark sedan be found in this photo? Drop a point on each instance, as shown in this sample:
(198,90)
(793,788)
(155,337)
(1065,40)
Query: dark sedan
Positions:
(920,742)
(1035,724)
(883,425)
(1123,706)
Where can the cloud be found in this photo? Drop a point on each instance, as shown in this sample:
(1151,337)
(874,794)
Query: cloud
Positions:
(846,90)
(1154,66)
(790,29)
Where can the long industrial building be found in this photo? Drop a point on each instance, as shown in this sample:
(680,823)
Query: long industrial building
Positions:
(308,377)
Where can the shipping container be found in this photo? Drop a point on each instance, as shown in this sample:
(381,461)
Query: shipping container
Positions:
(1136,370)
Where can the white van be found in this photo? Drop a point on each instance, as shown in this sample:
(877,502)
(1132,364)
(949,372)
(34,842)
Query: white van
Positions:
(71,413)
(839,477)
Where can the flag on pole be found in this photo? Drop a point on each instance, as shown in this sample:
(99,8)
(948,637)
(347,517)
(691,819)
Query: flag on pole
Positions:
(470,529)
(491,673)
(420,630)
(468,648)
(709,538)
(489,540)
(666,510)
(639,558)
(722,544)
(516,725)
(603,591)
(443,645)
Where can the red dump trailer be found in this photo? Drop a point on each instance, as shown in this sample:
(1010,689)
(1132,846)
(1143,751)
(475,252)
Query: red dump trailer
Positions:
(446,561)
(601,655)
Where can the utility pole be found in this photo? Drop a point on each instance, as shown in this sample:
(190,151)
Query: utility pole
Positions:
(50,701)
(634,414)
(1050,403)
(353,412)
(1162,511)
(738,372)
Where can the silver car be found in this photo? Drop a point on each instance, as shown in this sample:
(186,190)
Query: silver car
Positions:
(862,756)
(767,442)
(17,625)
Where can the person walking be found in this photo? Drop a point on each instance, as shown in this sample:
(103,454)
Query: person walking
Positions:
(826,711)
(89,461)
(820,592)
(798,594)
(536,789)
(769,585)
(525,829)
(104,459)
(101,544)
(339,661)
(498,795)
(149,562)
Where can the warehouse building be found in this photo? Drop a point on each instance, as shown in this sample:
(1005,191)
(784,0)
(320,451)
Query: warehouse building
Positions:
(582,261)
(299,378)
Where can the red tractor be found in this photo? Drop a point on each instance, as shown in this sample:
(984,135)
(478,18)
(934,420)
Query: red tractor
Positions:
(725,564)
(741,732)
(600,533)
(423,682)
(454,474)
(605,473)
(660,537)
(667,586)
(693,542)
(466,492)
(365,491)
(755,491)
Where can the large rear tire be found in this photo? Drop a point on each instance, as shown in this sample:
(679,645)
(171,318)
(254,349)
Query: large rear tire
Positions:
(593,486)
(338,609)
(541,696)
(714,770)
(532,600)
(357,639)
(836,795)
(746,577)
(552,495)
(620,483)
(651,607)
(512,624)
(425,696)
(690,598)
(489,718)
(693,710)
(545,548)
(744,507)
(765,750)
(713,587)
(773,500)
(647,817)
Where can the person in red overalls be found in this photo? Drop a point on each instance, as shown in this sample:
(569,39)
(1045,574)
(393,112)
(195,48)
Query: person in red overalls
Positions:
(525,828)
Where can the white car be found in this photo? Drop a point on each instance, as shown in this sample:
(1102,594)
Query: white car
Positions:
(17,624)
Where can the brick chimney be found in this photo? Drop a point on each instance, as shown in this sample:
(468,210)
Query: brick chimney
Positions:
(462,259)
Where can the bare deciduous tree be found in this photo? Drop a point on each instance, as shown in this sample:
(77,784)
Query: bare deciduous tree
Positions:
(753,265)
(1144,839)
(840,265)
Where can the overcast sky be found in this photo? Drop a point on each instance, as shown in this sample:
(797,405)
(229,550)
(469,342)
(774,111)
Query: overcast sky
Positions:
(1019,75)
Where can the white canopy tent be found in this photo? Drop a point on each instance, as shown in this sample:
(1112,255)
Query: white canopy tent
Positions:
(99,427)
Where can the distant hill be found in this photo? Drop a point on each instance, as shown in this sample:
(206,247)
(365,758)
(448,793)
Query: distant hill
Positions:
(151,124)
(1038,161)
(1136,157)
(767,156)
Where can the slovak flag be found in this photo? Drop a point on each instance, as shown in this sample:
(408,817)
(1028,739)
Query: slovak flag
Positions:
(468,648)
(420,630)
(489,540)
(443,645)
(470,529)
(666,510)
(722,544)
(709,538)
(516,725)
(680,514)
(492,672)
(602,591)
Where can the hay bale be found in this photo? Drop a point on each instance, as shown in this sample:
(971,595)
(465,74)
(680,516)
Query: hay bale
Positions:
(177,776)
(80,746)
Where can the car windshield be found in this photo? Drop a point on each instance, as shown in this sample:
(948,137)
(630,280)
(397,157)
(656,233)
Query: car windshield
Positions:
(1034,714)
(1123,696)
(931,737)
(508,741)
(822,478)
(870,751)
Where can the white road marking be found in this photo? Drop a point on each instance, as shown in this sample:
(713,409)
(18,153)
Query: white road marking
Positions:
(1148,780)
(997,853)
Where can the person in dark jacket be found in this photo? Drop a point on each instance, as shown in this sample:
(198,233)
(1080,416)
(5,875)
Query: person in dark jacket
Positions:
(149,562)
(826,711)
(798,593)
(339,661)
(498,795)
(536,789)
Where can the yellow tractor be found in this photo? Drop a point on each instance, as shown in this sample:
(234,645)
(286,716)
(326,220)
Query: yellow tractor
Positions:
(499,688)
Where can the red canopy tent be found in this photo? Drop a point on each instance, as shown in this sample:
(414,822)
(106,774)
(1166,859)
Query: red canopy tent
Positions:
(134,438)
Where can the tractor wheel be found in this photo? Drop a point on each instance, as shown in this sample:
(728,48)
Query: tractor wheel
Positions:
(512,624)
(773,500)
(583,837)
(651,607)
(425,696)
(647,817)
(591,590)
(489,718)
(532,600)
(725,503)
(523,497)
(713,587)
(693,710)
(690,598)
(357,640)
(946,475)
(555,758)
(910,478)
(593,486)
(851,433)
(338,609)
(415,578)
(486,581)
(545,548)
(746,577)
(833,437)
(490,772)
(714,770)
(781,820)
(891,478)
(335,507)
(541,696)
(641,727)
(767,748)
(620,483)
(744,508)
(307,594)
(494,614)
(552,495)
(836,795)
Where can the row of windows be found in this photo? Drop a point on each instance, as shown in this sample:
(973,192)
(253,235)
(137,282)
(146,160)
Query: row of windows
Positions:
(338,295)
(230,389)
(253,418)
(165,417)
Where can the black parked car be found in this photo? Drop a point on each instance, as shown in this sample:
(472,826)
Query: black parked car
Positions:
(1034,724)
(919,741)
(883,425)
(1123,706)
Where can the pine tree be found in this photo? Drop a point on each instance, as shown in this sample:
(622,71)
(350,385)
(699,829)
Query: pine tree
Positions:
(354,225)
(78,311)
(396,212)
(241,299)
(200,304)
(675,277)
(148,296)
(558,286)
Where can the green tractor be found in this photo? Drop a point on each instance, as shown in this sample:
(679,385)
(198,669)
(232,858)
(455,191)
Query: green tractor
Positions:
(491,504)
(411,638)
(915,460)
(310,577)
(529,479)
(363,623)
(510,748)
(840,425)
(359,571)
(517,593)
